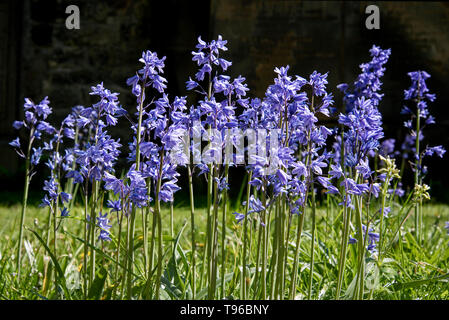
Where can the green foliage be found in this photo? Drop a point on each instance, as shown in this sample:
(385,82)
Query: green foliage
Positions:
(407,271)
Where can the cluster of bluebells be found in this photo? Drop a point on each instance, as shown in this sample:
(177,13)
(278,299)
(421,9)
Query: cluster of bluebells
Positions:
(368,82)
(287,110)
(287,163)
(104,226)
(158,137)
(418,93)
(148,76)
(57,161)
(101,151)
(35,124)
(363,131)
(213,118)
(207,56)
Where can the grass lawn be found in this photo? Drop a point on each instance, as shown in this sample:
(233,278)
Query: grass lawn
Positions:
(415,272)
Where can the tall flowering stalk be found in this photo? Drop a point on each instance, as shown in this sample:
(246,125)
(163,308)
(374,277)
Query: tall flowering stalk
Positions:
(215,117)
(419,94)
(94,160)
(57,162)
(35,124)
(363,123)
(362,136)
(54,195)
(148,76)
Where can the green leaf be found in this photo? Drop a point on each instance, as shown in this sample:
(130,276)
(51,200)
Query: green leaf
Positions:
(61,279)
(417,283)
(172,267)
(99,251)
(97,286)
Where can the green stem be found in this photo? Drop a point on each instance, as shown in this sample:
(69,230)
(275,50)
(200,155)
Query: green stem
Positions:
(192,222)
(381,233)
(361,247)
(133,211)
(312,249)
(117,258)
(245,236)
(417,225)
(214,261)
(159,227)
(24,205)
(299,228)
(264,243)
(86,239)
(343,246)
(223,234)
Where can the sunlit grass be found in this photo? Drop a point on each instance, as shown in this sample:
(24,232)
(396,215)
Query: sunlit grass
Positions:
(415,272)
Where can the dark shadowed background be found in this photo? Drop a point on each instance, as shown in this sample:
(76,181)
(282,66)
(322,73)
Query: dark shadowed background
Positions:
(40,57)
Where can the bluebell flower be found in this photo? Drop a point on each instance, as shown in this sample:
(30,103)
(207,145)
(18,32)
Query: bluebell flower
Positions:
(51,186)
(17,124)
(65,197)
(77,177)
(239,216)
(352,240)
(419,93)
(102,223)
(368,82)
(64,212)
(386,211)
(438,150)
(15,143)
